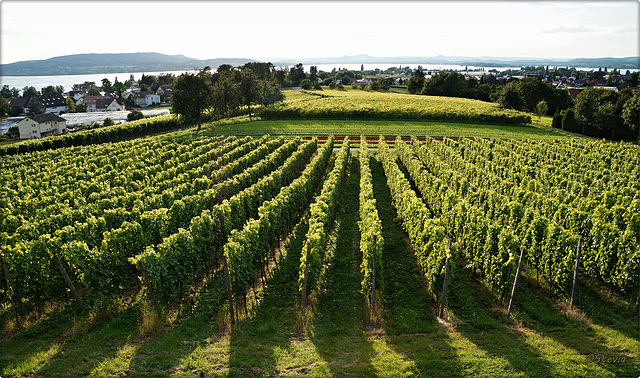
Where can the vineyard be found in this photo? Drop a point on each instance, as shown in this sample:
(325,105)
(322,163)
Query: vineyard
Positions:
(323,255)
(353,104)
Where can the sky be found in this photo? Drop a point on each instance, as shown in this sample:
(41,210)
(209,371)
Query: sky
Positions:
(268,30)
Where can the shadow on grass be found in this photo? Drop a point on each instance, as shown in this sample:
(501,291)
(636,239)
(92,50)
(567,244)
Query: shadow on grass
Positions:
(337,331)
(473,310)
(258,342)
(606,329)
(407,310)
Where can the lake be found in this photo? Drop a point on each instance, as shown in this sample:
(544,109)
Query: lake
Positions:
(67,81)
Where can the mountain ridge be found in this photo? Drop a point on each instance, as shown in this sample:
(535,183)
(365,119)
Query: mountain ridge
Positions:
(107,63)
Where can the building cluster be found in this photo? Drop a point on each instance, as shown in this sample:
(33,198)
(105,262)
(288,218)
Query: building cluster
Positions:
(49,122)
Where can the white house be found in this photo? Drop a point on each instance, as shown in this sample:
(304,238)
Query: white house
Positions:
(144,99)
(41,125)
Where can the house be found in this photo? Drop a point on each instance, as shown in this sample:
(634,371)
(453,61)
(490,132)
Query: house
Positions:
(77,95)
(20,103)
(108,104)
(41,125)
(53,103)
(143,99)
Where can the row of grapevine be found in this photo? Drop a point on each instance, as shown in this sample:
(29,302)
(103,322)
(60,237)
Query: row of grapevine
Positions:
(182,256)
(547,231)
(322,215)
(427,235)
(489,246)
(105,244)
(248,249)
(371,240)
(375,105)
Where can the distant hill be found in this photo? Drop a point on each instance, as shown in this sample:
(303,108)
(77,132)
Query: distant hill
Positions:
(483,61)
(80,64)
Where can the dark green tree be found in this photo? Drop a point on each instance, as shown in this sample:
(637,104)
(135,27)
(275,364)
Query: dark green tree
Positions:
(251,89)
(510,99)
(134,115)
(226,95)
(415,84)
(108,122)
(35,106)
(6,92)
(28,92)
(306,84)
(192,96)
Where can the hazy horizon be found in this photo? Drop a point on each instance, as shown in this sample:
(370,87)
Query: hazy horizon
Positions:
(270,30)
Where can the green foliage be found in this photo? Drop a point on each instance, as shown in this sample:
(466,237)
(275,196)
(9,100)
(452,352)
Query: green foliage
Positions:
(541,108)
(370,225)
(322,213)
(108,122)
(376,105)
(510,98)
(305,84)
(134,115)
(192,96)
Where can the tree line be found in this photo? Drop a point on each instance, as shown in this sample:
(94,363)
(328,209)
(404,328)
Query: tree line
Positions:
(205,94)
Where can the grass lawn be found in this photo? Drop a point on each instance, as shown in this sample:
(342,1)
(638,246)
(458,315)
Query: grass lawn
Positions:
(405,128)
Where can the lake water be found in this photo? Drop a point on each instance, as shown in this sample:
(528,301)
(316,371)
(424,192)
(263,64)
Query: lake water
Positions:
(67,81)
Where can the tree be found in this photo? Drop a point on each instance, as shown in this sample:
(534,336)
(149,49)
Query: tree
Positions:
(71,105)
(81,108)
(134,115)
(313,73)
(510,99)
(345,80)
(251,89)
(415,84)
(29,92)
(296,74)
(6,92)
(119,87)
(305,84)
(35,106)
(4,106)
(631,112)
(49,90)
(192,95)
(108,122)
(541,108)
(226,96)
(93,92)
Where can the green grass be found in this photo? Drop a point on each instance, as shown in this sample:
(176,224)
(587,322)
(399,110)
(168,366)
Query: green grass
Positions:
(355,127)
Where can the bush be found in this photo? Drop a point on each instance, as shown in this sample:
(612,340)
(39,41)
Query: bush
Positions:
(108,122)
(569,121)
(135,115)
(305,84)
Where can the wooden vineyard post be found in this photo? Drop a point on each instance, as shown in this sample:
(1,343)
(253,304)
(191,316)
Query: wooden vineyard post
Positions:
(444,285)
(306,280)
(575,273)
(147,283)
(68,281)
(229,293)
(14,292)
(373,281)
(638,300)
(515,281)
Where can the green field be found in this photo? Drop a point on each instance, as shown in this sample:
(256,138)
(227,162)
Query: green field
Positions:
(376,128)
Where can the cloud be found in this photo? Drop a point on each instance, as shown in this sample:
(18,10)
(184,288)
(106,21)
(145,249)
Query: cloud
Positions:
(570,29)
